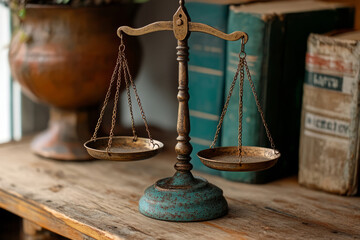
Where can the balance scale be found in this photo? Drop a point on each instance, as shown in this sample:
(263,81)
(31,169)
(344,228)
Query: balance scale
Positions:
(181,197)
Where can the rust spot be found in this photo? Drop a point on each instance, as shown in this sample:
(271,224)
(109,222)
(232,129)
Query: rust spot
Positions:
(110,191)
(56,188)
(60,174)
(133,202)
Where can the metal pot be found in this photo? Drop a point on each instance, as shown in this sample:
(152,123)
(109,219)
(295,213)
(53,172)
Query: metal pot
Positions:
(67,62)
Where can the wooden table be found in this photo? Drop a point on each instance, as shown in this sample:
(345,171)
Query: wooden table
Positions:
(98,199)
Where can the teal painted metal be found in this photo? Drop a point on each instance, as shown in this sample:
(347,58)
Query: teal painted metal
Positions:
(183,198)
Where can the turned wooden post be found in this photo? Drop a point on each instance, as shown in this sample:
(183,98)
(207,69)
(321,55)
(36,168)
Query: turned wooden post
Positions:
(183,147)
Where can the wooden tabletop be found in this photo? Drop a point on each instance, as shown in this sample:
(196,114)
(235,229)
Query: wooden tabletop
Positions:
(99,199)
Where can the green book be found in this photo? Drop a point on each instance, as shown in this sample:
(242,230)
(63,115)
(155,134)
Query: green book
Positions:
(206,77)
(276,50)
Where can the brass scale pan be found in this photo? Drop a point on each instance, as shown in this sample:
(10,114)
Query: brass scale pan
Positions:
(123,148)
(227,158)
(220,158)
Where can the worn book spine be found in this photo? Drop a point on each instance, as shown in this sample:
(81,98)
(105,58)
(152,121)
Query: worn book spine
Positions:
(329,143)
(206,77)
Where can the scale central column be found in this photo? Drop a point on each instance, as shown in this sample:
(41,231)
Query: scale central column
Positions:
(183,147)
(183,197)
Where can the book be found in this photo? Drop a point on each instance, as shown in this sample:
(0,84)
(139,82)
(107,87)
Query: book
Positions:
(329,143)
(276,50)
(206,77)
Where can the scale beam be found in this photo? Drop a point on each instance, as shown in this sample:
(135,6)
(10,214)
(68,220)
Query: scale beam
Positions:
(234,36)
(153,27)
(193,27)
(182,27)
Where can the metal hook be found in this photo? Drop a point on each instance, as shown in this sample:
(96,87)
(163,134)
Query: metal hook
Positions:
(155,144)
(135,137)
(242,53)
(107,151)
(240,153)
(122,45)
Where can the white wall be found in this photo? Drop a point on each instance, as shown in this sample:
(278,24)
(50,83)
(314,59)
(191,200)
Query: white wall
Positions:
(157,79)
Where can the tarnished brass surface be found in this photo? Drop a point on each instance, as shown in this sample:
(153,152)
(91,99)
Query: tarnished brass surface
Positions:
(180,23)
(182,26)
(227,159)
(152,27)
(123,148)
(234,36)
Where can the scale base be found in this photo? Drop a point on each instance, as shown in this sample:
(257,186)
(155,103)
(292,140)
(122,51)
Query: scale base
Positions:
(183,198)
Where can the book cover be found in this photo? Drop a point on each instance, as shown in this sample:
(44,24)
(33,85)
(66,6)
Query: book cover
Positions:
(329,143)
(206,77)
(276,55)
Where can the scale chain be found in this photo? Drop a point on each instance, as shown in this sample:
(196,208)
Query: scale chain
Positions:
(240,69)
(241,93)
(140,106)
(126,66)
(118,85)
(129,102)
(121,70)
(232,86)
(259,107)
(108,93)
(242,56)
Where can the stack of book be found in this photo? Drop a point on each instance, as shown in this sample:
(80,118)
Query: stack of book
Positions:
(278,33)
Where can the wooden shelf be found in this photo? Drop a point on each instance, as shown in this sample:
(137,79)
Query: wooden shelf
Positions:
(99,199)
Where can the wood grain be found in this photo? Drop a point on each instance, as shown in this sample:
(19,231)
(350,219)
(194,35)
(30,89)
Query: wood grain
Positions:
(99,200)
